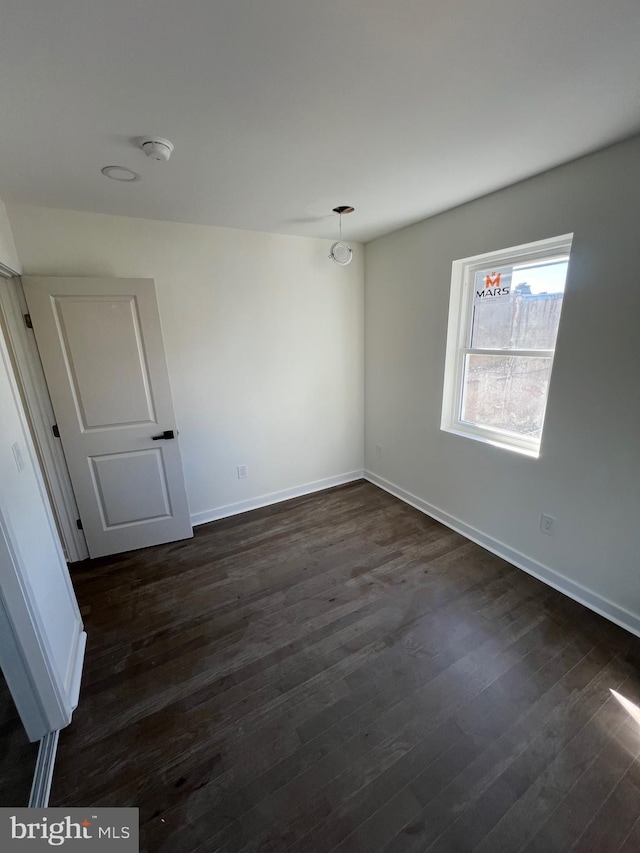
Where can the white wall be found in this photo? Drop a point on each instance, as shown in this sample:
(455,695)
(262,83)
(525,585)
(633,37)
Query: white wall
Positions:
(264,341)
(8,253)
(588,473)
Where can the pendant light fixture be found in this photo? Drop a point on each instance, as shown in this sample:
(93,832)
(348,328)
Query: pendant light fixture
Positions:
(341,253)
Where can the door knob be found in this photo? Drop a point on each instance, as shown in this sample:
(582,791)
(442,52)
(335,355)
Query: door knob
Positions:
(166,435)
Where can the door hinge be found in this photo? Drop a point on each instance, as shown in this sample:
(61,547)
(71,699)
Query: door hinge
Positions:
(55,430)
(79,524)
(27,321)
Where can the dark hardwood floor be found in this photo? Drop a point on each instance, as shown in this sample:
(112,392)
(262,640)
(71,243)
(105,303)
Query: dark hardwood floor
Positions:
(17,755)
(341,673)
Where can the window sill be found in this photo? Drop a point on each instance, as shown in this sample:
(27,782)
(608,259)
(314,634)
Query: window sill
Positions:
(496,440)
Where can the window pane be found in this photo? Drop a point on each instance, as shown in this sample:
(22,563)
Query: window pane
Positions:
(506,392)
(518,307)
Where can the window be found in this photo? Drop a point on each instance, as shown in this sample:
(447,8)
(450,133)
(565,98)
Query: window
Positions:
(503,322)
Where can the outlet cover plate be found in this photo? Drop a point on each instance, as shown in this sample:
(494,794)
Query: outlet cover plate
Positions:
(546,524)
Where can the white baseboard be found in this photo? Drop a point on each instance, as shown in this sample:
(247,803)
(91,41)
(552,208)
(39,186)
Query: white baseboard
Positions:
(274,498)
(43,774)
(574,590)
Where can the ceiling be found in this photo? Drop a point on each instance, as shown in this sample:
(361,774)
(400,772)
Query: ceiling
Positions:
(282,109)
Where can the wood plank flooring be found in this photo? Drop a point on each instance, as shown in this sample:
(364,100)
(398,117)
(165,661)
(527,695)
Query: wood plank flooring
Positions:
(341,673)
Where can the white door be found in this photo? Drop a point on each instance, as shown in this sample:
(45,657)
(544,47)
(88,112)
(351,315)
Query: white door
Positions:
(101,347)
(42,640)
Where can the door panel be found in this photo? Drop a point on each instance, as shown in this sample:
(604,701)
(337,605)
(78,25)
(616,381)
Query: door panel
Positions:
(101,347)
(101,338)
(131,487)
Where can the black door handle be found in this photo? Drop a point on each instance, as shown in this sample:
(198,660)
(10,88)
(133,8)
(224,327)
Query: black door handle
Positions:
(166,435)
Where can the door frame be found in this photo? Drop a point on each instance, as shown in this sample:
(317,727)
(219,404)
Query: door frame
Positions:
(37,403)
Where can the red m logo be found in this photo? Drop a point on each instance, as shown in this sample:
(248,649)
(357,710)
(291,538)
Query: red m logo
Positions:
(492,280)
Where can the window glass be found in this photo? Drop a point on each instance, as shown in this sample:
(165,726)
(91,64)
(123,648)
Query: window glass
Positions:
(518,307)
(506,392)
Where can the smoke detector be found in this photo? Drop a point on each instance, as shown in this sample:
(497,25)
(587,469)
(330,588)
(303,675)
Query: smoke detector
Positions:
(157,148)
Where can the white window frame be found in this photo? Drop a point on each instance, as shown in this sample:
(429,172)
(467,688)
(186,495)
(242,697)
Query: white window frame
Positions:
(459,340)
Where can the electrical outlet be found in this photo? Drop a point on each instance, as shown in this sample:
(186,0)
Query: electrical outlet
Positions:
(379,450)
(242,472)
(546,524)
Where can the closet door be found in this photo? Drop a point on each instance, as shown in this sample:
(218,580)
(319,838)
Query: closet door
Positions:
(42,640)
